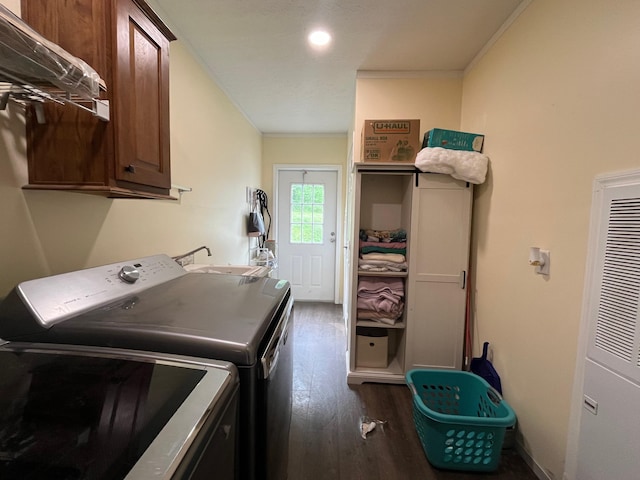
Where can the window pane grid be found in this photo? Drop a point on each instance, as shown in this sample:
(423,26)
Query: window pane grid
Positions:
(307,213)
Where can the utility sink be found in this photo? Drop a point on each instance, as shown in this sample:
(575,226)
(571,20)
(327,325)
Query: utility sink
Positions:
(246,270)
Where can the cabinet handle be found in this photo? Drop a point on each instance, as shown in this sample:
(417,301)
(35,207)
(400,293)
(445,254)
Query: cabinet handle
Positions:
(463,279)
(130,168)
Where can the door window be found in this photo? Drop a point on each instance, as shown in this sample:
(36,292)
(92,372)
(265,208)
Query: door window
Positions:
(307,213)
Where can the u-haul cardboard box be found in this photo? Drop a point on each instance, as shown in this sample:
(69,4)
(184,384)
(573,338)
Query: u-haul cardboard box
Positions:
(390,141)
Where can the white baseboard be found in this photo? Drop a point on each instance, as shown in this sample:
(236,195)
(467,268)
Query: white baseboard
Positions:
(538,471)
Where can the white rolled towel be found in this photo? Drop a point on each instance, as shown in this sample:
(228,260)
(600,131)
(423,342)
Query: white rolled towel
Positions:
(460,164)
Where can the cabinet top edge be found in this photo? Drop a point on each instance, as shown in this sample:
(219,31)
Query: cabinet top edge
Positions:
(157,21)
(385,166)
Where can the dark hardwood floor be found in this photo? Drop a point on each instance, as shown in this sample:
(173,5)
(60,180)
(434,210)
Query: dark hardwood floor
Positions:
(325,440)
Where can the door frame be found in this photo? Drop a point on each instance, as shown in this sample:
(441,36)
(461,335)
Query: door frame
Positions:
(277,168)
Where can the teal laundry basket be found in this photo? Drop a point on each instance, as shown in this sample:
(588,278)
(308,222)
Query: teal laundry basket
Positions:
(461,420)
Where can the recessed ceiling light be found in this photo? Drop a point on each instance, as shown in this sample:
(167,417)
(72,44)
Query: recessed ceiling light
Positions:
(319,38)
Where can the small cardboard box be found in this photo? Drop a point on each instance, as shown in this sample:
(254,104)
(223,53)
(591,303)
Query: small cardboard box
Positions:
(453,140)
(390,140)
(372,349)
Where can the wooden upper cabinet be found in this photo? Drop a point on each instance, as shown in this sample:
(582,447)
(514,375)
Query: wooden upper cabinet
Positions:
(129,156)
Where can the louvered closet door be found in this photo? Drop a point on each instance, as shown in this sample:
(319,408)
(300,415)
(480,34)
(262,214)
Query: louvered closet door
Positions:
(614,337)
(609,423)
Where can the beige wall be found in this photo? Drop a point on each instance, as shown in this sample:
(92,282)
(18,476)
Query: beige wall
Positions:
(557,98)
(215,151)
(301,150)
(433,98)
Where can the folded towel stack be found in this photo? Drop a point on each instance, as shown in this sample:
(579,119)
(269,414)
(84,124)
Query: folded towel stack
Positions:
(383,236)
(380,299)
(383,250)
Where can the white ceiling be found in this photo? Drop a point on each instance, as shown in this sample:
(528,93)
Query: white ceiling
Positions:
(257,53)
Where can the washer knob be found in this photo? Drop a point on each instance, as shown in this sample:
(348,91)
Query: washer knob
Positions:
(129,274)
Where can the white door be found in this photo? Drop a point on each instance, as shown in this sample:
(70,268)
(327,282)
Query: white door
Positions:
(609,430)
(306,232)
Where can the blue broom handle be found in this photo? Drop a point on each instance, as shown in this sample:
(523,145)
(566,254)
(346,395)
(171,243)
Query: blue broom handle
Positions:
(485,348)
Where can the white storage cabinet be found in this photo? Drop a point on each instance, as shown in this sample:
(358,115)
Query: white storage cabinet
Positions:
(435,211)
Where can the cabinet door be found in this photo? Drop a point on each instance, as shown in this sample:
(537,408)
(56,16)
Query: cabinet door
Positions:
(439,255)
(70,148)
(142,101)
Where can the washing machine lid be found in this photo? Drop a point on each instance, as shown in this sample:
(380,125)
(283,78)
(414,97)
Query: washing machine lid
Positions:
(214,316)
(81,414)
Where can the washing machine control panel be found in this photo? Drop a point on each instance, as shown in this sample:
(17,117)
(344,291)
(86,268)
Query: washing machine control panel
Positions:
(58,297)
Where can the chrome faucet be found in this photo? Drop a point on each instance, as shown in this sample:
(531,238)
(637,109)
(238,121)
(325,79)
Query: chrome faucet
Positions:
(179,258)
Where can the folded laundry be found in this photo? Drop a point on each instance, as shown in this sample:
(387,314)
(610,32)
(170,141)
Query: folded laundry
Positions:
(387,318)
(382,247)
(385,257)
(398,235)
(385,306)
(389,245)
(382,266)
(380,285)
(382,297)
(381,301)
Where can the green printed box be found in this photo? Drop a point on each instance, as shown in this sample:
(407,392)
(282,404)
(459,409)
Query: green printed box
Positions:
(453,140)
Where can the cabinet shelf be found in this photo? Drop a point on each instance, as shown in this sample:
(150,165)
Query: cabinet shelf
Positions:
(35,70)
(374,324)
(393,373)
(367,273)
(103,191)
(21,92)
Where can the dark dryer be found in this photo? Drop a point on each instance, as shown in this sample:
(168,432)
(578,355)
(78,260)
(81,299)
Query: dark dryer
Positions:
(153,304)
